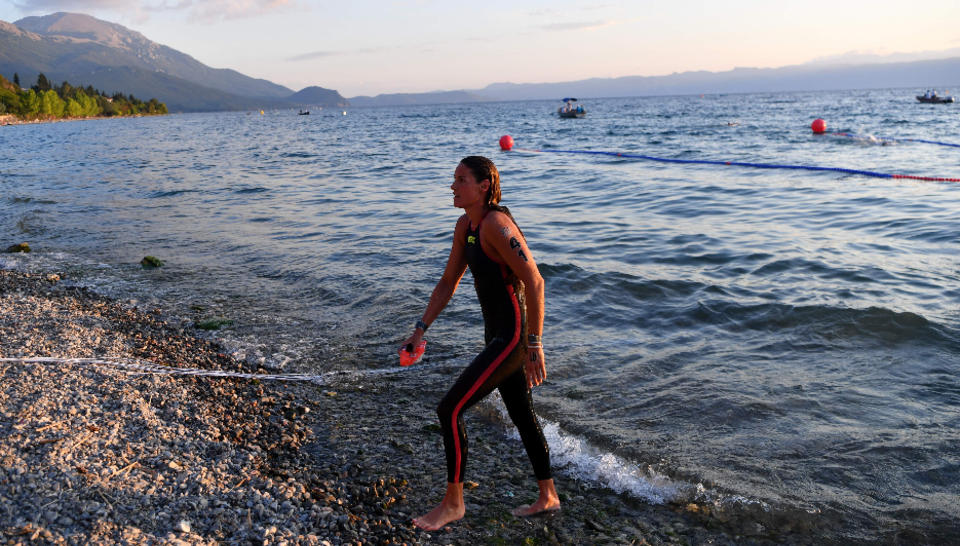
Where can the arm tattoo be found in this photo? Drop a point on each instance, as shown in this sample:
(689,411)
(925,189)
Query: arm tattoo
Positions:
(515,244)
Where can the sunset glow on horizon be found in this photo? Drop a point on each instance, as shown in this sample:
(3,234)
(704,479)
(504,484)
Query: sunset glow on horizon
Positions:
(368,47)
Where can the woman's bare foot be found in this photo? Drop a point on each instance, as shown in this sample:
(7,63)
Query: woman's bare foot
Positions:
(438,517)
(548,501)
(534,509)
(451,508)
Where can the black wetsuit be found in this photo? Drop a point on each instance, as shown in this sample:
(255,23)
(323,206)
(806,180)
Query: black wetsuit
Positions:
(499,366)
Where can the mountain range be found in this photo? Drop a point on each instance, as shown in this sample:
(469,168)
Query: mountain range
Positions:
(87,51)
(937,73)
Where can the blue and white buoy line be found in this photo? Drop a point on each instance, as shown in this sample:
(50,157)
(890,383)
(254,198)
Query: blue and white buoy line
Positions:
(892,139)
(858,172)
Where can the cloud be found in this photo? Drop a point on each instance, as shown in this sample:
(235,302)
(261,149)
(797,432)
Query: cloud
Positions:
(324,54)
(597,6)
(587,25)
(209,10)
(124,9)
(71,5)
(542,12)
(558,12)
(202,10)
(876,57)
(313,55)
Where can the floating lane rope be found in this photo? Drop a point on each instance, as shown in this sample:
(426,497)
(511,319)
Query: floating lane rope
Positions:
(506,144)
(883,140)
(819,127)
(146,367)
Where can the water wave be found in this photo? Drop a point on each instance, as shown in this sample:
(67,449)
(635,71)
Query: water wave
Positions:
(24,200)
(172,193)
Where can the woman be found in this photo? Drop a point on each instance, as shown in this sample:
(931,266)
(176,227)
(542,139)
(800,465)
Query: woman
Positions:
(488,240)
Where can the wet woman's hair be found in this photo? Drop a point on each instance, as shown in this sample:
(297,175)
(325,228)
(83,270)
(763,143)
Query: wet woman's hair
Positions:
(484,169)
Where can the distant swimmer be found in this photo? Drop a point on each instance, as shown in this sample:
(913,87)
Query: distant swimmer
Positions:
(510,289)
(733,123)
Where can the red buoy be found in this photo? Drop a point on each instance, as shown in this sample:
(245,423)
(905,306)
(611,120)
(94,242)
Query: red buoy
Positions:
(818,126)
(506,143)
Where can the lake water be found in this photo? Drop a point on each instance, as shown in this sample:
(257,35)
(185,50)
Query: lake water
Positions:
(781,344)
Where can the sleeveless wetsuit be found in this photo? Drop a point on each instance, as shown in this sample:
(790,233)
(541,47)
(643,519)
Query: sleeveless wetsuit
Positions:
(499,365)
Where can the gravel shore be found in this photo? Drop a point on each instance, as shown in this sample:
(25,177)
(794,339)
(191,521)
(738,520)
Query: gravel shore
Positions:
(10,119)
(94,454)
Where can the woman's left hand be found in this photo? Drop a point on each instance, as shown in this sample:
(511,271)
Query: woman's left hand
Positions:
(535,368)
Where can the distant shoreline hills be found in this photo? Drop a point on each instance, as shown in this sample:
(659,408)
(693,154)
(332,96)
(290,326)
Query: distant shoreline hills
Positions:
(937,73)
(922,74)
(82,49)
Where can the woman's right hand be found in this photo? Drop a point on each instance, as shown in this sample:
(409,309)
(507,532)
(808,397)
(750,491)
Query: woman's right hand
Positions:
(412,341)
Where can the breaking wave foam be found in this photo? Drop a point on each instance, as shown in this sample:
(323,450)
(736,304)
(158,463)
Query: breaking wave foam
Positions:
(586,462)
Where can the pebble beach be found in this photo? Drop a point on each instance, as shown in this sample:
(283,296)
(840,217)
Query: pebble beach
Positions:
(94,454)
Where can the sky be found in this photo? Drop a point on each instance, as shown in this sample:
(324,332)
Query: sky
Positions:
(368,47)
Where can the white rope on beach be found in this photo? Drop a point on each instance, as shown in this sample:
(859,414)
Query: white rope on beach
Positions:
(142,366)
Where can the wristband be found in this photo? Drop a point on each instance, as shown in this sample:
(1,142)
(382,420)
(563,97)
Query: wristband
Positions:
(533,338)
(422,325)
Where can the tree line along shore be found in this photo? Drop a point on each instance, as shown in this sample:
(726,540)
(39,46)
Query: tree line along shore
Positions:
(45,101)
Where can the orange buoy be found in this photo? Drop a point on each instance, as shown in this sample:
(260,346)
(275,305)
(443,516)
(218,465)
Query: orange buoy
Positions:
(506,143)
(410,355)
(818,126)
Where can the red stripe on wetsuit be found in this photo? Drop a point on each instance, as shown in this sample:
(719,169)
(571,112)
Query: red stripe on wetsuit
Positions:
(485,375)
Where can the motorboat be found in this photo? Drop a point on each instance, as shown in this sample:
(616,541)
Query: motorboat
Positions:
(304,113)
(571,110)
(931,97)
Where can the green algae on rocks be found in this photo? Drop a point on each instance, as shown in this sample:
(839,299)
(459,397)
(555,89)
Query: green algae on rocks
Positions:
(151,262)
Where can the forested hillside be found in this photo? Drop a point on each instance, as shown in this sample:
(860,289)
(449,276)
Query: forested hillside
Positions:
(46,101)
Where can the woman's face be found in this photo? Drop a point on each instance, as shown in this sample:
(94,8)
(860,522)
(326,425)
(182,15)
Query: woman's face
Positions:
(467,191)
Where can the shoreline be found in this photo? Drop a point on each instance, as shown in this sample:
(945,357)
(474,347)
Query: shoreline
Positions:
(96,454)
(10,119)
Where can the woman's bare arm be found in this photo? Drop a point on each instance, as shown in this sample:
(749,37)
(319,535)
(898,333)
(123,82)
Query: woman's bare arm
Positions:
(447,285)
